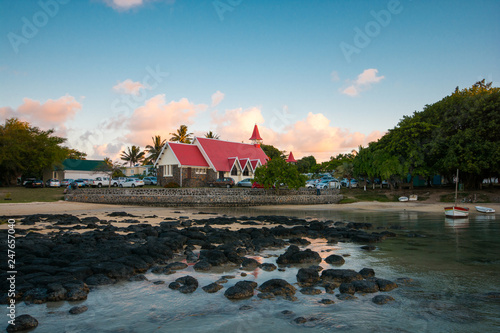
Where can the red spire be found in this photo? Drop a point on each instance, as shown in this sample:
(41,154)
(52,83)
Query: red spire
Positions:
(255,134)
(291,158)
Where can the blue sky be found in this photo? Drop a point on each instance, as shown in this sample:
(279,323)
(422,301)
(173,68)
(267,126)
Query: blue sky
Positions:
(318,77)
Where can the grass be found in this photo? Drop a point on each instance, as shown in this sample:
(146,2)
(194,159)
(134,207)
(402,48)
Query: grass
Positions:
(372,197)
(21,194)
(347,200)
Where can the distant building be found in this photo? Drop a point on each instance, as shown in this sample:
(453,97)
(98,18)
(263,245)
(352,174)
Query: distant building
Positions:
(143,170)
(193,165)
(74,169)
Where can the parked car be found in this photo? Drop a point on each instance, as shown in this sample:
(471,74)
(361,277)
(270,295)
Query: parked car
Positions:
(28,180)
(257,185)
(132,182)
(222,182)
(150,180)
(80,182)
(65,182)
(34,183)
(247,182)
(345,182)
(104,181)
(53,183)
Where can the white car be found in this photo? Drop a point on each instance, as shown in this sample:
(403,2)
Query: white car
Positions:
(131,182)
(53,183)
(104,181)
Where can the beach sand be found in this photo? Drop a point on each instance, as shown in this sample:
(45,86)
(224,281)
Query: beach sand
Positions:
(101,210)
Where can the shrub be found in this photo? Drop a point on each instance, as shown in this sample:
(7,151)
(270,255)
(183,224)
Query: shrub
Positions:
(171,185)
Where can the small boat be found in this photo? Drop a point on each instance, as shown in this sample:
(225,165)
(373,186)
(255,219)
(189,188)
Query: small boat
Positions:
(413,197)
(485,209)
(403,199)
(456,212)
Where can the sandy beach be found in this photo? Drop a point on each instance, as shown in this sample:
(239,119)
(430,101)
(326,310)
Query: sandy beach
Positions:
(100,210)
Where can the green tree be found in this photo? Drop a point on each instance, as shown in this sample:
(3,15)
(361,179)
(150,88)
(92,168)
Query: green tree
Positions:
(278,173)
(212,135)
(154,150)
(132,155)
(75,154)
(182,135)
(272,152)
(306,164)
(27,151)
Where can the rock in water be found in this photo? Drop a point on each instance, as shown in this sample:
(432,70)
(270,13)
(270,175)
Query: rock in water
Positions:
(335,260)
(367,273)
(212,288)
(78,309)
(382,299)
(293,255)
(240,290)
(340,275)
(23,323)
(308,276)
(386,285)
(189,284)
(278,287)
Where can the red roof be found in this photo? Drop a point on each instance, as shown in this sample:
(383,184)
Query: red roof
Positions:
(188,155)
(291,158)
(222,153)
(255,134)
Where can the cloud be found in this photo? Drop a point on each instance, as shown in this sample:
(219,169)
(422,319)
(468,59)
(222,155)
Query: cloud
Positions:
(217,97)
(129,87)
(113,151)
(363,82)
(124,5)
(53,114)
(157,117)
(313,135)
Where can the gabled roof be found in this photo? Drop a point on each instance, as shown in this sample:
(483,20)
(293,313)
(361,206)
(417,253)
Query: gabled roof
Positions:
(255,134)
(243,163)
(188,154)
(80,165)
(255,164)
(218,152)
(291,158)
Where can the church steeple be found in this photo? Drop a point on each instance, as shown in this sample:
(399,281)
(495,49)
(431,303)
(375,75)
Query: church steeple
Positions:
(255,138)
(291,159)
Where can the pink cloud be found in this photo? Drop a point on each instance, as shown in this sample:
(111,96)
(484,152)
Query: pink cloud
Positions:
(110,150)
(52,114)
(313,135)
(363,82)
(129,87)
(217,97)
(157,117)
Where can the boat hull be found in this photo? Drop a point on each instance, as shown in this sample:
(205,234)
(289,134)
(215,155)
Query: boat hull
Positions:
(485,210)
(456,212)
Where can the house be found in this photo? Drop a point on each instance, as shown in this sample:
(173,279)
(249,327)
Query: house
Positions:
(193,165)
(74,169)
(144,170)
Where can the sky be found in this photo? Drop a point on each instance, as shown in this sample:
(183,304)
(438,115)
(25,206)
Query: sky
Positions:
(318,77)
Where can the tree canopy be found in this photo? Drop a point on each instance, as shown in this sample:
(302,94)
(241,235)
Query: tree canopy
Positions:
(154,149)
(132,155)
(182,135)
(272,152)
(278,173)
(26,150)
(461,131)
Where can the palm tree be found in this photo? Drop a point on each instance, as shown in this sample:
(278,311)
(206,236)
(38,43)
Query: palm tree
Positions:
(133,155)
(212,135)
(182,135)
(155,149)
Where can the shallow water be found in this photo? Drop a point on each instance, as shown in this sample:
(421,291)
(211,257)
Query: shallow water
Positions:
(453,264)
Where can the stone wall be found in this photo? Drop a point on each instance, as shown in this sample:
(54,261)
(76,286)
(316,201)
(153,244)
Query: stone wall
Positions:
(189,177)
(219,197)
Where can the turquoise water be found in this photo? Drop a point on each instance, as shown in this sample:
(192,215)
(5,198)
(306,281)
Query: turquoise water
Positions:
(452,264)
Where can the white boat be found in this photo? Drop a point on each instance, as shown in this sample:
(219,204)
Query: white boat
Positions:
(413,197)
(485,209)
(403,199)
(456,211)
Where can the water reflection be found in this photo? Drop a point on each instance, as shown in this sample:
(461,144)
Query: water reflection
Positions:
(456,223)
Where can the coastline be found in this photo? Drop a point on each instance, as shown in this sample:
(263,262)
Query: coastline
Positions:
(77,208)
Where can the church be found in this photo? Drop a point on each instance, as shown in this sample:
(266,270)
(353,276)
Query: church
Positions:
(205,160)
